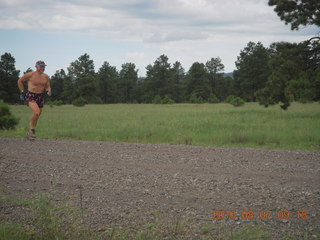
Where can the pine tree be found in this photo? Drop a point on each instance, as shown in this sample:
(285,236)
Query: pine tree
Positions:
(8,79)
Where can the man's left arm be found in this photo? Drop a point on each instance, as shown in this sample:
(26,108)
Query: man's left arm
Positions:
(48,87)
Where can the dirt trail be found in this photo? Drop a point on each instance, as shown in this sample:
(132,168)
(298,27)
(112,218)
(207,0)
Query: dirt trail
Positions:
(124,182)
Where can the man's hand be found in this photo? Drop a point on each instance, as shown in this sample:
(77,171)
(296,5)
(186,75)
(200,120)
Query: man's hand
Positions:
(49,93)
(22,96)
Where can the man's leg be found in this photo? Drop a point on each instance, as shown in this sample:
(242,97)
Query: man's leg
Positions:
(36,112)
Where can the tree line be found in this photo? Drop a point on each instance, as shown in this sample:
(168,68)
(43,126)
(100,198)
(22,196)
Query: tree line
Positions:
(280,73)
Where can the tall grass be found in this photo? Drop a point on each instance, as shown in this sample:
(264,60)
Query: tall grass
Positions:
(204,124)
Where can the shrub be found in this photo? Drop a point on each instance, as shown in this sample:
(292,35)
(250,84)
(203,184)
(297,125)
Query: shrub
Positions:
(167,100)
(194,98)
(79,102)
(156,100)
(57,102)
(237,102)
(213,99)
(229,99)
(7,120)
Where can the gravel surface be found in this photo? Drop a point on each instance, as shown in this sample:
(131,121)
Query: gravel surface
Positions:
(120,183)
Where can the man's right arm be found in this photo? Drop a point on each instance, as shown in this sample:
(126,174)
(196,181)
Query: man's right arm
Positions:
(24,78)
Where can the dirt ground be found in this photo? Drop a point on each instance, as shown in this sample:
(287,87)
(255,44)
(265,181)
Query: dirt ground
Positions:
(120,183)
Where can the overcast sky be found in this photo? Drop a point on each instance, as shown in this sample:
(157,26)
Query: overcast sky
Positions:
(137,31)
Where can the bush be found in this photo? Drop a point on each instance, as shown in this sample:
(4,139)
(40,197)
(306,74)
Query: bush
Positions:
(194,98)
(57,102)
(229,99)
(156,100)
(7,120)
(237,102)
(167,100)
(213,99)
(79,102)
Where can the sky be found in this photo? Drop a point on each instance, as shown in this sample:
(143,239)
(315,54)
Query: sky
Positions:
(137,31)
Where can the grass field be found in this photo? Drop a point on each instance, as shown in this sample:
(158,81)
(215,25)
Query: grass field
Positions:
(205,124)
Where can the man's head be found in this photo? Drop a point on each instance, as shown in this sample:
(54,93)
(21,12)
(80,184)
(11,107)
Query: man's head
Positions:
(40,66)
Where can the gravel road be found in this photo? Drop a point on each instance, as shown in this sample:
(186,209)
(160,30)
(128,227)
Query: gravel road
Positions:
(119,183)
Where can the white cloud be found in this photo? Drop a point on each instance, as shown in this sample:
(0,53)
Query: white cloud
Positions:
(142,20)
(185,30)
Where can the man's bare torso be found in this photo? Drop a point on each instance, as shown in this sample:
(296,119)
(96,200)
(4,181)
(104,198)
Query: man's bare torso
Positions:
(37,82)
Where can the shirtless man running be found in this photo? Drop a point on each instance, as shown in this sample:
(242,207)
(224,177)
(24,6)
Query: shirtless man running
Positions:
(38,83)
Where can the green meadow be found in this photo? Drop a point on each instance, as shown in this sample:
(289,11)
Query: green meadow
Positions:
(193,124)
